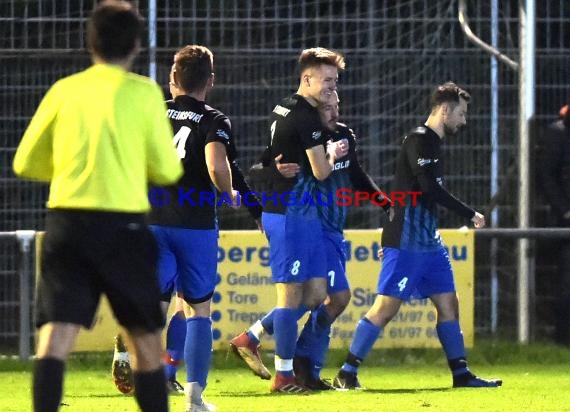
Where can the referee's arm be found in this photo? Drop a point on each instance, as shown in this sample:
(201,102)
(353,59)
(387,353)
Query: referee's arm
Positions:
(34,156)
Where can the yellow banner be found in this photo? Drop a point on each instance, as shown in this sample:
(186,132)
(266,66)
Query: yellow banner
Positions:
(245,293)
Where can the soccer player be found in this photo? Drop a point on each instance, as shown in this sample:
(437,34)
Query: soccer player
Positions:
(313,342)
(98,137)
(415,260)
(176,329)
(298,264)
(186,226)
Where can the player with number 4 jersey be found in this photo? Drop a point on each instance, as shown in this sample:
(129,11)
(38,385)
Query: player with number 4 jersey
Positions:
(415,261)
(184,219)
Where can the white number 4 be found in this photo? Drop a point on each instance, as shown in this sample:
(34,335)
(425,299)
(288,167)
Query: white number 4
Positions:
(402,283)
(180,141)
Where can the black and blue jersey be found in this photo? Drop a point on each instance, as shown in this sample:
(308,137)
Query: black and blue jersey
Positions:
(295,127)
(419,168)
(347,175)
(333,215)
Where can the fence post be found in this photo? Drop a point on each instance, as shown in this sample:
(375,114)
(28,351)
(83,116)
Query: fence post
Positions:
(25,239)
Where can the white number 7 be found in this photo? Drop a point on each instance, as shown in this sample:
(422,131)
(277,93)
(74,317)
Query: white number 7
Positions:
(180,141)
(331,276)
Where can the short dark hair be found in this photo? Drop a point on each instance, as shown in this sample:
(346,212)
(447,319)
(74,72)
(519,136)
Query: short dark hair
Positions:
(448,92)
(318,55)
(114,29)
(193,65)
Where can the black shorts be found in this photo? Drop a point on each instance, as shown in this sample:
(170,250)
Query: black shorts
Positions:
(85,254)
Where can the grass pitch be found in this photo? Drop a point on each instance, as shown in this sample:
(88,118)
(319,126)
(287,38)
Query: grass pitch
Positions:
(536,378)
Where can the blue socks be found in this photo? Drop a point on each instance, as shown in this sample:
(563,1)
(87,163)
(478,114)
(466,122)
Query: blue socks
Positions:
(198,349)
(313,343)
(175,338)
(267,320)
(365,335)
(285,325)
(451,338)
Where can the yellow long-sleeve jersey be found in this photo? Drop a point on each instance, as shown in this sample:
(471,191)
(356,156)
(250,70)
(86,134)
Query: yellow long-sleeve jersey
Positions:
(99,137)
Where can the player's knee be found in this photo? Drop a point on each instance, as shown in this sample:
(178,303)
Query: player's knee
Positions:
(383,311)
(315,298)
(55,340)
(339,301)
(145,350)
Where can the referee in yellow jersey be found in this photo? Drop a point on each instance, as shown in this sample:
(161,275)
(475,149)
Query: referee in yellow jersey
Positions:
(99,137)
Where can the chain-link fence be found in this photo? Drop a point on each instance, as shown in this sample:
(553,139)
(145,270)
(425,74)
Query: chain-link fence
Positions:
(395,51)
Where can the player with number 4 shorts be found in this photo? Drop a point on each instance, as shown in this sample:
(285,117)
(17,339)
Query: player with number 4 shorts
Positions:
(415,260)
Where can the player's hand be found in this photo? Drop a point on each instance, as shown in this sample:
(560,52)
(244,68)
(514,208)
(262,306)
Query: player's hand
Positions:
(478,220)
(287,170)
(338,149)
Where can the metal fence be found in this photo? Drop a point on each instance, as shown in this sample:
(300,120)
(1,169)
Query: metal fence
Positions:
(16,285)
(396,52)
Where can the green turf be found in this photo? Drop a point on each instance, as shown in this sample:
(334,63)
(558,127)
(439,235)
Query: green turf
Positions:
(536,378)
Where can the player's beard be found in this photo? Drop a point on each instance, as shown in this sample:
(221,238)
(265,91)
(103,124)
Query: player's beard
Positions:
(448,131)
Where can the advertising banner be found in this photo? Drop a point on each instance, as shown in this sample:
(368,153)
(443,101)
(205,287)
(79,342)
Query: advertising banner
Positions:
(245,292)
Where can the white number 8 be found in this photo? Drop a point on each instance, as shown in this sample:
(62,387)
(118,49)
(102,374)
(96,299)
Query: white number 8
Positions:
(295,268)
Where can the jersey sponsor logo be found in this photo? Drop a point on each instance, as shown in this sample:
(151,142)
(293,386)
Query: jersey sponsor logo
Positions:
(316,135)
(184,115)
(222,133)
(422,162)
(341,165)
(281,111)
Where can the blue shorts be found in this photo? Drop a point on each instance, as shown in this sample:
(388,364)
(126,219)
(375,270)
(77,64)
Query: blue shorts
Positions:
(187,262)
(295,247)
(407,275)
(335,249)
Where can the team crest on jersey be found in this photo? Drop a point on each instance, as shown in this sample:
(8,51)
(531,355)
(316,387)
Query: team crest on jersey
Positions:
(317,135)
(422,162)
(222,133)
